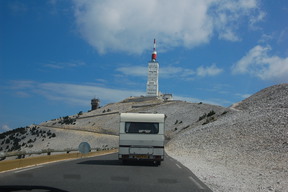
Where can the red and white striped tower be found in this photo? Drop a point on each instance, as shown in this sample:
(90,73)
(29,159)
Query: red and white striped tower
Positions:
(153,71)
(154,53)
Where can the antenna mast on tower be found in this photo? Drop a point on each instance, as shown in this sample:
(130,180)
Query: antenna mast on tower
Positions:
(154,53)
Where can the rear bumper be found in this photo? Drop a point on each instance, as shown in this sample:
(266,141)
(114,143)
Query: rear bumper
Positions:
(141,157)
(141,152)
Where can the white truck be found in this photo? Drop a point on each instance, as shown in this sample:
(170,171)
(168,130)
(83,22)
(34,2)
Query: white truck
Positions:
(141,137)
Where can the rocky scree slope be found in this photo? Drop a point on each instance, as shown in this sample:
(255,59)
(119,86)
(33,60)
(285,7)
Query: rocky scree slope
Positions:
(180,116)
(241,148)
(41,139)
(103,123)
(250,143)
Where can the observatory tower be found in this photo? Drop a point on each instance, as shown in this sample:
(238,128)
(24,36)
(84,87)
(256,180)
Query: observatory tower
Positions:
(153,71)
(94,104)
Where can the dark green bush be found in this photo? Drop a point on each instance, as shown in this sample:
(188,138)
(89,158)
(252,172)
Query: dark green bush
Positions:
(21,130)
(7,141)
(67,120)
(202,117)
(224,112)
(211,113)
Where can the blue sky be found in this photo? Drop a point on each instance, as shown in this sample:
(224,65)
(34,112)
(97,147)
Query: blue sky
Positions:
(55,56)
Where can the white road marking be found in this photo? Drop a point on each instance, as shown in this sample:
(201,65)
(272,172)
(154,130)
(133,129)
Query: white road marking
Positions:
(196,183)
(27,169)
(178,166)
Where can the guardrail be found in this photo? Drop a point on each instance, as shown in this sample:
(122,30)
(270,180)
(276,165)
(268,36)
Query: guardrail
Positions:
(23,154)
(96,115)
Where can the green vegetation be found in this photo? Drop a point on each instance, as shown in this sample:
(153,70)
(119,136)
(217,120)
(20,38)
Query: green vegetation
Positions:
(21,130)
(202,117)
(211,113)
(67,120)
(224,112)
(209,117)
(15,139)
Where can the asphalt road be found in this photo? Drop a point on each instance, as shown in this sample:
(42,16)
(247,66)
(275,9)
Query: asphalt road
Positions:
(103,173)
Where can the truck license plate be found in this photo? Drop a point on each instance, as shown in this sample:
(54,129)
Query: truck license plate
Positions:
(142,156)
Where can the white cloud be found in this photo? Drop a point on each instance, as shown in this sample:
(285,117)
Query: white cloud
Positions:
(208,71)
(176,72)
(73,93)
(130,25)
(229,35)
(265,38)
(227,16)
(243,96)
(22,84)
(164,72)
(283,36)
(80,95)
(256,19)
(258,63)
(173,72)
(215,101)
(62,65)
(133,70)
(5,128)
(191,99)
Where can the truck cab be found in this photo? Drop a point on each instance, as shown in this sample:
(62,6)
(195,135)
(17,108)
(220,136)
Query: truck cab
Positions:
(141,137)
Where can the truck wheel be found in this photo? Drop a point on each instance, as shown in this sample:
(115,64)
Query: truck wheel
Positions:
(124,162)
(157,163)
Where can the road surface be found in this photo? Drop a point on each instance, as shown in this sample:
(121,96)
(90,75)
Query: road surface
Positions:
(103,173)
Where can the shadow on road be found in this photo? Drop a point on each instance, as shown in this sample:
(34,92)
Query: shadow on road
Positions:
(117,163)
(23,188)
(101,162)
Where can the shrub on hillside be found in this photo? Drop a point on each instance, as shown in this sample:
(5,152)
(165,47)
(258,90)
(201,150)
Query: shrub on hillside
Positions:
(202,117)
(224,112)
(67,120)
(7,141)
(21,130)
(211,113)
(209,120)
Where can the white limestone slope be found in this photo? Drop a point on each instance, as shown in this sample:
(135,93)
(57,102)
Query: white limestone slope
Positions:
(245,149)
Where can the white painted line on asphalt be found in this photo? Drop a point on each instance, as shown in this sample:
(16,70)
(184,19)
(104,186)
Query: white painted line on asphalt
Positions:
(196,183)
(178,166)
(27,169)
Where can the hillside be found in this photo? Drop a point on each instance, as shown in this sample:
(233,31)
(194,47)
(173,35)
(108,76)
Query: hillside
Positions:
(244,150)
(240,148)
(274,97)
(180,115)
(100,127)
(39,138)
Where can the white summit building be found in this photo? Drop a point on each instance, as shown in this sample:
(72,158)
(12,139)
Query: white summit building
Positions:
(153,71)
